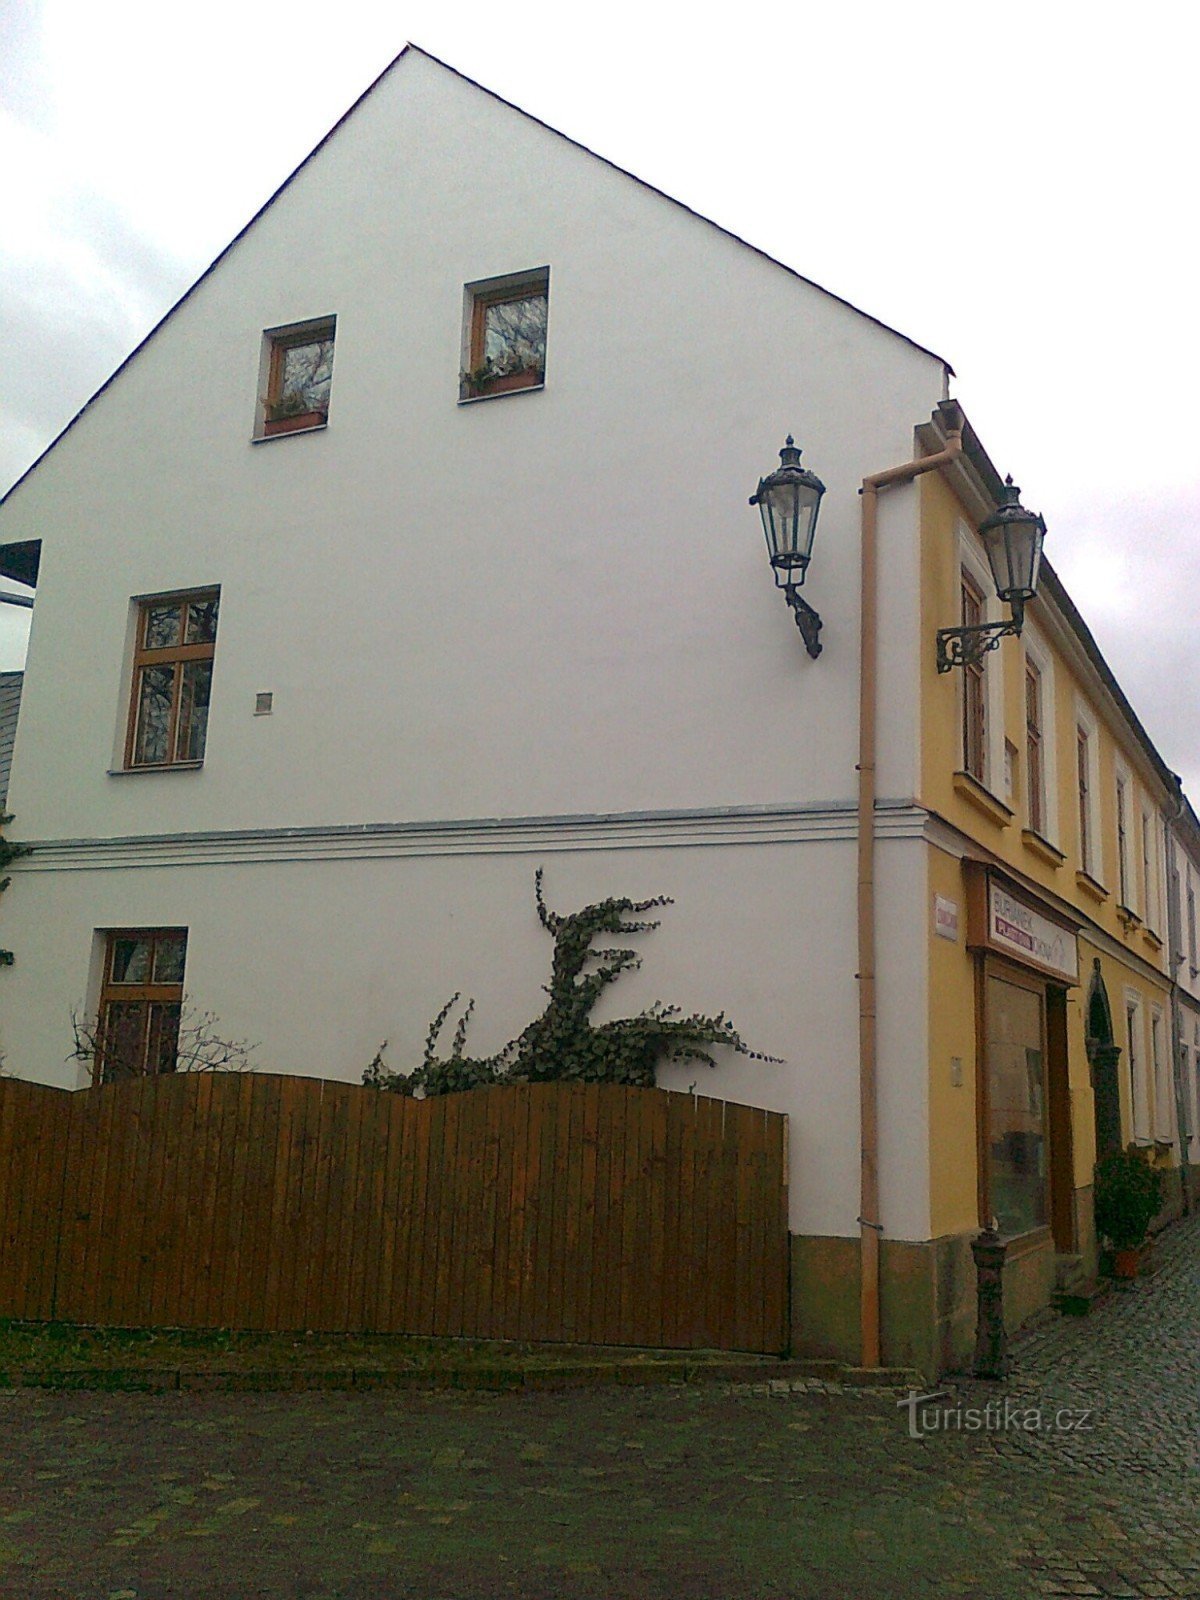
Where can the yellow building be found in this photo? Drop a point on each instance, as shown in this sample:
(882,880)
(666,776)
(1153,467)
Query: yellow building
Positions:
(1049,992)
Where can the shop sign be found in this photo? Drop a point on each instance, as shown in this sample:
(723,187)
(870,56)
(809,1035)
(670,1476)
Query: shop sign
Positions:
(945,917)
(1019,930)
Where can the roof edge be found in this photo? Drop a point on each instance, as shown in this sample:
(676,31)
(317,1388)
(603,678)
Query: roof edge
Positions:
(414,49)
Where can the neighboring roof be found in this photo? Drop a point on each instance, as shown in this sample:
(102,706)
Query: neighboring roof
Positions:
(10,701)
(317,148)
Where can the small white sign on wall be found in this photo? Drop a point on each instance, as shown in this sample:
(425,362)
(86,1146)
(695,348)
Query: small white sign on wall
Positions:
(945,917)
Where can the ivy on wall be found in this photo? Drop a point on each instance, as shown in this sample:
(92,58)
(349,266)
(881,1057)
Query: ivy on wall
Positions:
(562,1043)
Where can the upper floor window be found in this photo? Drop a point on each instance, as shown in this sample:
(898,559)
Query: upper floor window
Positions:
(1123,842)
(299,373)
(1149,871)
(174,644)
(505,334)
(1083,767)
(141,996)
(1035,770)
(1191,925)
(974,728)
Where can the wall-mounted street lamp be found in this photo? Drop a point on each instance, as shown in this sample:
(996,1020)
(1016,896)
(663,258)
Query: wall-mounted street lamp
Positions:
(1012,538)
(789,501)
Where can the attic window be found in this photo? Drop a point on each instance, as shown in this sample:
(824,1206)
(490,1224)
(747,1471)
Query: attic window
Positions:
(299,371)
(504,334)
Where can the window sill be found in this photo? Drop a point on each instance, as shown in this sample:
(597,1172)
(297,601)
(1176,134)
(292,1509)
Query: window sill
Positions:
(1152,939)
(167,766)
(1095,891)
(1042,848)
(1129,917)
(984,801)
(289,433)
(1020,1244)
(501,394)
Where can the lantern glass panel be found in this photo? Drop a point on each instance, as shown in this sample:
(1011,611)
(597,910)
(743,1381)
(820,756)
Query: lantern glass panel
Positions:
(1014,551)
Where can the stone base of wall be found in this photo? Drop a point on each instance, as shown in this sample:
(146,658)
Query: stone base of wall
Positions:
(927,1294)
(1172,1207)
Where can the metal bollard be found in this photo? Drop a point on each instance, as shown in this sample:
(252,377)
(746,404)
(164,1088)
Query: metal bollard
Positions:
(991,1341)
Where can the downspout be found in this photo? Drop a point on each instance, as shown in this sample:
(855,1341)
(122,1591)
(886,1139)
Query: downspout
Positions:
(1175,960)
(869,1224)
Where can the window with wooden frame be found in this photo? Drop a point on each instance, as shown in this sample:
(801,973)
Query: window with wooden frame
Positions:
(1149,872)
(505,334)
(1083,768)
(974,707)
(141,997)
(1191,926)
(1035,776)
(299,376)
(174,644)
(1123,843)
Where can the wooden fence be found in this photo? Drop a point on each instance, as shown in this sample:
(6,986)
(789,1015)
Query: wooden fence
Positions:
(577,1212)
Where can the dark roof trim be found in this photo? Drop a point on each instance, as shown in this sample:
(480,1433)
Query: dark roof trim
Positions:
(346,115)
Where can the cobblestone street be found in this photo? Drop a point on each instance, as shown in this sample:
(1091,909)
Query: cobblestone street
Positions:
(768,1490)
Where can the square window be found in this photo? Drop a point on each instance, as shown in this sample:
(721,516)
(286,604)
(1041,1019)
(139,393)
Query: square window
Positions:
(174,645)
(141,998)
(504,337)
(299,374)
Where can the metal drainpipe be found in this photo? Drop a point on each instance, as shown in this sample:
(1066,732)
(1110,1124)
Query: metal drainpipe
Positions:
(1175,958)
(870,1227)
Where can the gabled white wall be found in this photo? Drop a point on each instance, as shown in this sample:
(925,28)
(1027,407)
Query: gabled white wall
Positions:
(546,603)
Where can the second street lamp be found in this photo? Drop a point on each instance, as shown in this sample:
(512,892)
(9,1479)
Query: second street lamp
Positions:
(1012,538)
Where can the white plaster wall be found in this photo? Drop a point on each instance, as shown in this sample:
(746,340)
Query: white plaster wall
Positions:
(546,603)
(320,961)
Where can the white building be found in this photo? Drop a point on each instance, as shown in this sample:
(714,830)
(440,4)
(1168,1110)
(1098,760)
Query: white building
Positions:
(412,552)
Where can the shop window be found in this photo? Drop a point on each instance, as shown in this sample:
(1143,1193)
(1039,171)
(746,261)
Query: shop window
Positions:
(299,376)
(505,334)
(1018,1170)
(1162,1079)
(174,645)
(1137,1085)
(974,705)
(140,1001)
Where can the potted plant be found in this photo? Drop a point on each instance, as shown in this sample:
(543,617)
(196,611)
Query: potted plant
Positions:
(1128,1196)
(495,378)
(290,412)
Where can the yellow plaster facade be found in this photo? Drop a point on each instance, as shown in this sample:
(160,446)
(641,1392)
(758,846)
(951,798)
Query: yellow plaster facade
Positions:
(1120,911)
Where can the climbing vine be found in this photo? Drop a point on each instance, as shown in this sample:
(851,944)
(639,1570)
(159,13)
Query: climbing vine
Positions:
(562,1043)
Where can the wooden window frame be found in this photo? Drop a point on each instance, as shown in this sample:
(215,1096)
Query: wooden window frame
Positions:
(974,706)
(1083,782)
(1035,766)
(482,298)
(280,342)
(146,994)
(145,656)
(1123,843)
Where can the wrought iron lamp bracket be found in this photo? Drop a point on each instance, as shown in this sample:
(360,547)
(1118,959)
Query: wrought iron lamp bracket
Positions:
(963,647)
(807,620)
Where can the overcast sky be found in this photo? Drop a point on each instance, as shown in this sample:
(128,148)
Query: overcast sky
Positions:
(1012,185)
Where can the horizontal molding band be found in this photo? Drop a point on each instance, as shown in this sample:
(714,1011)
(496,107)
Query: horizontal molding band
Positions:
(627,830)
